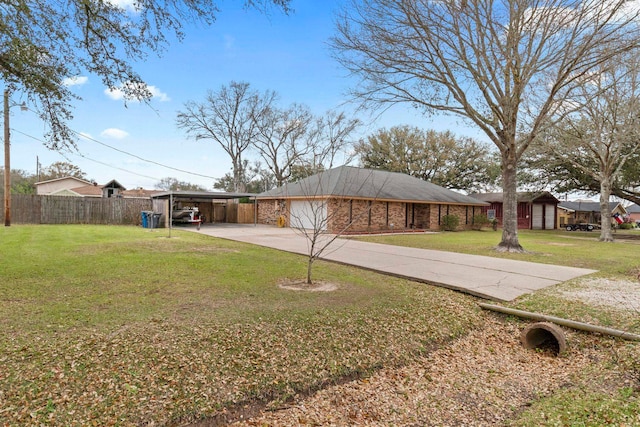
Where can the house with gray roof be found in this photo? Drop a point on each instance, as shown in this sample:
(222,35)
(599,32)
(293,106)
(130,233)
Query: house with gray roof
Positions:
(351,199)
(634,212)
(587,211)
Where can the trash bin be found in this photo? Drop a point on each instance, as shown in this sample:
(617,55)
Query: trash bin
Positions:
(145,219)
(156,220)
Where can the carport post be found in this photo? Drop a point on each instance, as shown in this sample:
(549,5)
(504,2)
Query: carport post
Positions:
(170,212)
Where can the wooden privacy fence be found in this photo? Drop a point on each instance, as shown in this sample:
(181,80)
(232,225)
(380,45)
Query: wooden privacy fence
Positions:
(33,209)
(246,213)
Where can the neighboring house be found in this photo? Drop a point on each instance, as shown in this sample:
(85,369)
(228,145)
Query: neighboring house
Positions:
(634,213)
(565,216)
(59,185)
(581,212)
(536,210)
(350,199)
(75,187)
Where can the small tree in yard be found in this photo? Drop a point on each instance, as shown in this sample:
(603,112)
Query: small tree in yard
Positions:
(317,217)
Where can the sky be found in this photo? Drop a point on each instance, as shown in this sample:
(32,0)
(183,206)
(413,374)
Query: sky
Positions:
(138,144)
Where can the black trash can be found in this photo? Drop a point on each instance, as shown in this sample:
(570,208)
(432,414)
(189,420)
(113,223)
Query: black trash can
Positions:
(155,220)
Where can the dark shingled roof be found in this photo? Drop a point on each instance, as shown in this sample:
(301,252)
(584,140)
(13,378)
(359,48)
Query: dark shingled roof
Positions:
(523,196)
(586,206)
(359,183)
(633,209)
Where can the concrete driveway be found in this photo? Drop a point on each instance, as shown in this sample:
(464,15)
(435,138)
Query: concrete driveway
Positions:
(482,276)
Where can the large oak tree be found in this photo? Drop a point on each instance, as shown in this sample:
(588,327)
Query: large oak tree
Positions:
(505,66)
(438,157)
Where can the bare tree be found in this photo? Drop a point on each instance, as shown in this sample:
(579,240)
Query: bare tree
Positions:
(228,118)
(335,130)
(45,45)
(324,218)
(284,137)
(600,138)
(505,66)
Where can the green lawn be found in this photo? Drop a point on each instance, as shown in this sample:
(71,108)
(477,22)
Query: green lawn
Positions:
(124,326)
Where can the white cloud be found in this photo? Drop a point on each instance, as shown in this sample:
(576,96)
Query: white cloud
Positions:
(75,81)
(118,94)
(124,4)
(114,133)
(158,94)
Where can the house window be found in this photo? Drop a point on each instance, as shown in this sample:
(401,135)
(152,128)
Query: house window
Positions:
(387,219)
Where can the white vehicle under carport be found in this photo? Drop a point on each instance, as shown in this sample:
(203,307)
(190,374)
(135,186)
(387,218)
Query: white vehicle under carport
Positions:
(187,216)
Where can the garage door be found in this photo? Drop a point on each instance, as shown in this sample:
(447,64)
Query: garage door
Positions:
(309,214)
(549,217)
(536,217)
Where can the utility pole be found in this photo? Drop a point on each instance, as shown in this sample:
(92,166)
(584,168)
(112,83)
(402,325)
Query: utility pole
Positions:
(7,163)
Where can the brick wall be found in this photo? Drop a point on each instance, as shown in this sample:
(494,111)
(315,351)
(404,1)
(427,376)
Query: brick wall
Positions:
(269,210)
(354,216)
(464,214)
(397,212)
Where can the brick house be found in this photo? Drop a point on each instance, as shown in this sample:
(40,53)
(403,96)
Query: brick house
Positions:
(357,200)
(634,213)
(536,210)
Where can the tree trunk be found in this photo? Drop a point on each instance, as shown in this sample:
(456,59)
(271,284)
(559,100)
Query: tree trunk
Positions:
(605,214)
(309,270)
(509,241)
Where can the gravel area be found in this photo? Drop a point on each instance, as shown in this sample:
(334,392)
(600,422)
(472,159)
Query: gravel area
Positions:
(618,294)
(481,379)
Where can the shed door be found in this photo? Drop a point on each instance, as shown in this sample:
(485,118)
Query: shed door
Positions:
(549,217)
(536,217)
(310,214)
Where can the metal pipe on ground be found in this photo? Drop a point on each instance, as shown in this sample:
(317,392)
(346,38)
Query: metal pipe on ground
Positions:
(560,321)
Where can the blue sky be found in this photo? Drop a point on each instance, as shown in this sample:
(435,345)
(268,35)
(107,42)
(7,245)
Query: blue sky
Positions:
(287,54)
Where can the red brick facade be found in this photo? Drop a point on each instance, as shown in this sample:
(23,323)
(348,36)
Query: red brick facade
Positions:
(364,216)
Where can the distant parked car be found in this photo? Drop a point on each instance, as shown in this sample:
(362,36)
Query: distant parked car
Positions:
(581,227)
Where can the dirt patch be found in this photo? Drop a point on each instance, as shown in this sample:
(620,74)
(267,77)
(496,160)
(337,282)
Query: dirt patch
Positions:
(619,294)
(301,285)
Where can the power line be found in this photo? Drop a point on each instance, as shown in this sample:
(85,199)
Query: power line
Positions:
(87,158)
(140,158)
(108,165)
(119,150)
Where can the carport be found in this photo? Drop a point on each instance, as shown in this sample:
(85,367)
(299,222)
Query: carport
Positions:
(212,205)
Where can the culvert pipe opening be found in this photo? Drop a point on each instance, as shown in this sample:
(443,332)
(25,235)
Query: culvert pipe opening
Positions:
(544,336)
